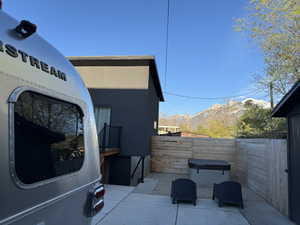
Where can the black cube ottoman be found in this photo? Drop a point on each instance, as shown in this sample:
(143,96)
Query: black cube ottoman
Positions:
(184,190)
(228,192)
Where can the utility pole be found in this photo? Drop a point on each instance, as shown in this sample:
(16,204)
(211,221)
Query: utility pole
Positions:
(271,94)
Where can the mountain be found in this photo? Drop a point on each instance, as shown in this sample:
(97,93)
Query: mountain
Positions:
(227,114)
(258,102)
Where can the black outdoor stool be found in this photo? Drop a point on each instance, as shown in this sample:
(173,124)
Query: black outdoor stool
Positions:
(228,192)
(183,190)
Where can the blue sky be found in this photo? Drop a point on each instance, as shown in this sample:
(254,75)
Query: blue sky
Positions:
(206,57)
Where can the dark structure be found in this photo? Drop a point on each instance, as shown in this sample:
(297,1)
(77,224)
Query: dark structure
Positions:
(184,190)
(208,164)
(126,93)
(289,107)
(206,172)
(228,192)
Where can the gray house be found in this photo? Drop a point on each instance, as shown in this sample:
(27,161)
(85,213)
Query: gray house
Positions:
(126,92)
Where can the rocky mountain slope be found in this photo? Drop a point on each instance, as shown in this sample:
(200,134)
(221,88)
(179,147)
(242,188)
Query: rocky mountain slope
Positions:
(229,113)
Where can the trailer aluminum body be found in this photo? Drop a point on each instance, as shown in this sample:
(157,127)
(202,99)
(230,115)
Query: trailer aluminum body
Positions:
(30,68)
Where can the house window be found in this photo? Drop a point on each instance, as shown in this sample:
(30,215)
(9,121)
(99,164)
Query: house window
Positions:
(102,116)
(49,139)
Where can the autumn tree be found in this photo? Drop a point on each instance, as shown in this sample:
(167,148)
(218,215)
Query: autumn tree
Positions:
(275,27)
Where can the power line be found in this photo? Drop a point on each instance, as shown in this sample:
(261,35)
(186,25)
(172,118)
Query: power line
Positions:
(209,98)
(167,44)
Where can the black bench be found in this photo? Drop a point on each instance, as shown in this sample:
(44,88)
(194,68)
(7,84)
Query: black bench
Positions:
(184,190)
(228,192)
(208,164)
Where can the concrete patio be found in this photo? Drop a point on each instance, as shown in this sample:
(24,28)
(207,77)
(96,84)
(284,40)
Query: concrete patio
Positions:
(125,207)
(149,204)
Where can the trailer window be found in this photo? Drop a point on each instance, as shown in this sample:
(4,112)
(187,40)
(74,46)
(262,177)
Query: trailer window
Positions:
(49,138)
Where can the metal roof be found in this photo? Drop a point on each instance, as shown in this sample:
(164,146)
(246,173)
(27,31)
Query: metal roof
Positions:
(288,100)
(122,61)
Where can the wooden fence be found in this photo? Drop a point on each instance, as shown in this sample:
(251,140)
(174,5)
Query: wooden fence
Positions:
(256,163)
(170,154)
(261,166)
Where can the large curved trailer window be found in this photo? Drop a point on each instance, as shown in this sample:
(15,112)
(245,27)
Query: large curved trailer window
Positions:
(49,138)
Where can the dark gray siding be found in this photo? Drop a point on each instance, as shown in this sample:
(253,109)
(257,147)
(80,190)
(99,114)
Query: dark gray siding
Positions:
(135,111)
(293,116)
(154,105)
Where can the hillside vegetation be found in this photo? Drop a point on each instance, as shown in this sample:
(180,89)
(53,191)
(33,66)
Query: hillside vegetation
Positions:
(249,118)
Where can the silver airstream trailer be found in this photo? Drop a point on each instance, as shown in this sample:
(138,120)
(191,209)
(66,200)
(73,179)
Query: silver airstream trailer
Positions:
(49,163)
